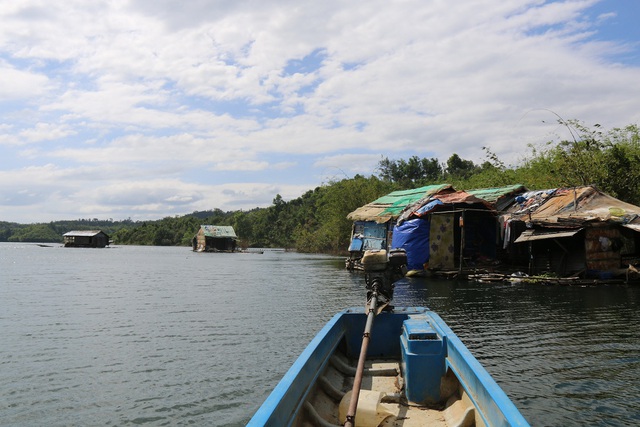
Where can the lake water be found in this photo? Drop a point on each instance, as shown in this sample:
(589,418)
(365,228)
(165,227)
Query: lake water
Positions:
(159,336)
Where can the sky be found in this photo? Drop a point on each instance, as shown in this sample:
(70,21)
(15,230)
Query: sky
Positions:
(143,109)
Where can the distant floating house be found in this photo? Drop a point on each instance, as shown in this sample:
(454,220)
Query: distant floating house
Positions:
(215,238)
(86,239)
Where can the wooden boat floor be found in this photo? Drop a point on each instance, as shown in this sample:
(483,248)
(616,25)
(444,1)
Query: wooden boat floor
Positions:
(458,410)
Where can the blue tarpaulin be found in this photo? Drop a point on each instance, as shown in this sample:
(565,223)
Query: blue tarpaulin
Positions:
(428,207)
(413,237)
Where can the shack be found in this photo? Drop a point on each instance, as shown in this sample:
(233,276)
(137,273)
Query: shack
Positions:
(446,231)
(215,238)
(562,235)
(576,232)
(373,223)
(85,239)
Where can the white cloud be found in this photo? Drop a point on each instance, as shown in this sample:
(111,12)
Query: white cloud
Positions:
(18,84)
(143,108)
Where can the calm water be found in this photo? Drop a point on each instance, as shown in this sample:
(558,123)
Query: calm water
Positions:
(164,336)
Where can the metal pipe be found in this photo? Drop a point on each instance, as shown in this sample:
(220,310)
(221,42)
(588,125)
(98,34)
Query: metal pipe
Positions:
(461,224)
(357,381)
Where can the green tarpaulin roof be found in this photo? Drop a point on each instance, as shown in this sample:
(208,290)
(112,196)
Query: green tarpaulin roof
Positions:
(391,205)
(219,231)
(492,195)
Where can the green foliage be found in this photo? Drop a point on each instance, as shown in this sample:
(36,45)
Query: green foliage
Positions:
(332,228)
(608,160)
(169,231)
(42,233)
(458,168)
(412,173)
(7,229)
(317,220)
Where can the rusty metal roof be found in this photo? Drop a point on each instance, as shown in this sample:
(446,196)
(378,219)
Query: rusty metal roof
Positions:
(556,207)
(571,207)
(445,200)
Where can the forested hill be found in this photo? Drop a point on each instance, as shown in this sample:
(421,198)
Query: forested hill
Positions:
(316,221)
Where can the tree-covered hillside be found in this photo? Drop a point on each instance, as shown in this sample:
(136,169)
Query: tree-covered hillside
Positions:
(316,221)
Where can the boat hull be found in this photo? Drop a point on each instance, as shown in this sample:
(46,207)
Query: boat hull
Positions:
(436,377)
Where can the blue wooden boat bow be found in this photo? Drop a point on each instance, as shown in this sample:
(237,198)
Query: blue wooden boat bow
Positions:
(415,371)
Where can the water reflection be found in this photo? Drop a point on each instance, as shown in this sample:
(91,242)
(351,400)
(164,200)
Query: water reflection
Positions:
(163,336)
(550,347)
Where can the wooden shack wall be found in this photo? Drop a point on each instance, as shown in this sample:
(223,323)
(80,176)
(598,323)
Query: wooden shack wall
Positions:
(221,244)
(100,240)
(602,246)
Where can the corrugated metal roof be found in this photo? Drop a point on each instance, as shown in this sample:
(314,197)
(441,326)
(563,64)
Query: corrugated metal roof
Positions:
(529,235)
(634,227)
(446,200)
(390,206)
(571,207)
(401,196)
(557,207)
(83,233)
(219,231)
(492,195)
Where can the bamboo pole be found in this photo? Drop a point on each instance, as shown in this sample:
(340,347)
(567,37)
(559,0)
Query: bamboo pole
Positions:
(357,382)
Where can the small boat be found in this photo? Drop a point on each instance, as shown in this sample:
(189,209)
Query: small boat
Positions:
(408,368)
(417,373)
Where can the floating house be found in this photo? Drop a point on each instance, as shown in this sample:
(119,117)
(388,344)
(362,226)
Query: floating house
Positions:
(438,227)
(215,238)
(373,223)
(446,231)
(86,239)
(572,232)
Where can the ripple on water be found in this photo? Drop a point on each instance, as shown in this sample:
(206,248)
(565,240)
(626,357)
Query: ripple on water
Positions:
(163,336)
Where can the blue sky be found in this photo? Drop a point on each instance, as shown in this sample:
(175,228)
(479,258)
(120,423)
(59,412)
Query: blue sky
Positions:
(146,109)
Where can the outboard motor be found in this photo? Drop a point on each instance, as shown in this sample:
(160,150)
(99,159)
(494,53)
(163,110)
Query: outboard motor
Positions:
(381,271)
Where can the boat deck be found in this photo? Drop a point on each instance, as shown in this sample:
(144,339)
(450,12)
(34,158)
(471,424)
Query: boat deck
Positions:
(382,401)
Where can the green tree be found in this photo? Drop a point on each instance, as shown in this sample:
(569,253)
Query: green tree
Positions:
(411,173)
(336,201)
(609,160)
(42,233)
(458,168)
